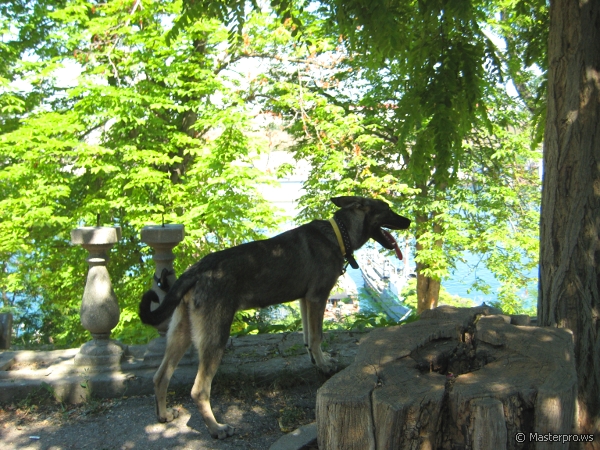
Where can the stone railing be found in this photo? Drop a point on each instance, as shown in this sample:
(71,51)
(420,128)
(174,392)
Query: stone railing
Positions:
(99,306)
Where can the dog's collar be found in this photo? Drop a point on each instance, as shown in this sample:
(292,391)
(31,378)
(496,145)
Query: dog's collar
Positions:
(344,242)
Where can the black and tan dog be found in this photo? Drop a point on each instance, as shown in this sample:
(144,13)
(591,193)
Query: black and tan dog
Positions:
(303,263)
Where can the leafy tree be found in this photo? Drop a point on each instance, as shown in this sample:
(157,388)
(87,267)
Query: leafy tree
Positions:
(568,295)
(148,131)
(357,128)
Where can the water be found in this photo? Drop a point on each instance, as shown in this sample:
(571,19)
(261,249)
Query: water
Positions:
(464,276)
(459,283)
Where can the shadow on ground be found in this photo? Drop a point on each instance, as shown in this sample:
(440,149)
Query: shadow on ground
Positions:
(260,415)
(265,387)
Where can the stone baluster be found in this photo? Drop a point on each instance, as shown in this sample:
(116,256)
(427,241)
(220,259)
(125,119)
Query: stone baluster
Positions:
(162,238)
(99,307)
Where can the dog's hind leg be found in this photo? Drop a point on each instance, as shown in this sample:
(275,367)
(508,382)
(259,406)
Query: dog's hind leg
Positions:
(315,309)
(178,341)
(210,337)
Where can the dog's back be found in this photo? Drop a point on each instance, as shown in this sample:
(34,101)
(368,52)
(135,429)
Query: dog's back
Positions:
(256,274)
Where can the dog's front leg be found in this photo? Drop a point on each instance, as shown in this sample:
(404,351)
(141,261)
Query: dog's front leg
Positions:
(315,309)
(305,327)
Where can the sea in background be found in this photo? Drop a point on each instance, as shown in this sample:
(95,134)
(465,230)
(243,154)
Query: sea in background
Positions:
(462,279)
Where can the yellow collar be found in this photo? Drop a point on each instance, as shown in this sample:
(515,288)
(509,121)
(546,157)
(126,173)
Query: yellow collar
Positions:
(338,235)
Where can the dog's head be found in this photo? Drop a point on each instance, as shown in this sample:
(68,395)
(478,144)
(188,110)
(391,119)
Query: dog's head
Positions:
(378,215)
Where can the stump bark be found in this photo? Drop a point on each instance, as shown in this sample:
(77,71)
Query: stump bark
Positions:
(458,378)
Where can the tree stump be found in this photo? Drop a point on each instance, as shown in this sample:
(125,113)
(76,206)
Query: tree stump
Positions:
(458,378)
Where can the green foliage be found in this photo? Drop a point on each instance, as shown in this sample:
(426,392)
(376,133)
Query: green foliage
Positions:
(403,101)
(148,132)
(431,130)
(366,321)
(286,318)
(525,26)
(279,319)
(409,294)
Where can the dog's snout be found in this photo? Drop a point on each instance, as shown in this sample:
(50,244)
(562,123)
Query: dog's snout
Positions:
(398,222)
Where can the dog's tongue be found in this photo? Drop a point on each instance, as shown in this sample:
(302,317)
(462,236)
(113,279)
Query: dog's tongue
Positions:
(392,241)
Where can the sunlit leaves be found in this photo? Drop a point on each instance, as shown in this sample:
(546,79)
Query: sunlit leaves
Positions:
(147,132)
(424,122)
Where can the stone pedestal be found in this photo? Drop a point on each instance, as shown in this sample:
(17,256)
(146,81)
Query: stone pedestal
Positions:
(162,238)
(99,308)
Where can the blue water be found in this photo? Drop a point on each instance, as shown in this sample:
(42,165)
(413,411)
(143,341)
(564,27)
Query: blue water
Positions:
(461,280)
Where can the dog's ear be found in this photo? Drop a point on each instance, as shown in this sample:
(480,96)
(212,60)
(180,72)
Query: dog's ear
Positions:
(349,201)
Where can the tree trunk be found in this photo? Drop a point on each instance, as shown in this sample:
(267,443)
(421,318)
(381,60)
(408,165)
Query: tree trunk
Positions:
(428,288)
(569,294)
(428,291)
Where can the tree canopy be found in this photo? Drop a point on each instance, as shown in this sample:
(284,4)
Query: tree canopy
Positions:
(145,132)
(424,121)
(141,112)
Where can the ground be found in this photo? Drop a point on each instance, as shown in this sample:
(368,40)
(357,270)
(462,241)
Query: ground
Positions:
(260,415)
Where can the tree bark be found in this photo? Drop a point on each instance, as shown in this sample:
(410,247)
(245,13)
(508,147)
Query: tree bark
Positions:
(459,378)
(428,288)
(569,294)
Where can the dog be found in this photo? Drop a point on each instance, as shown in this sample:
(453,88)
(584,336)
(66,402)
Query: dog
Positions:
(301,264)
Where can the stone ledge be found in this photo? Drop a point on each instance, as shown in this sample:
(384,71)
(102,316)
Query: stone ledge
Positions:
(96,235)
(297,439)
(264,358)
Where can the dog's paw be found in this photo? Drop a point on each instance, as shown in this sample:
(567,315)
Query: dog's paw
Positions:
(328,369)
(171,414)
(222,431)
(329,365)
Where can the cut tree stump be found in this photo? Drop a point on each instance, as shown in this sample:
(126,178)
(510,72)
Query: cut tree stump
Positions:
(459,378)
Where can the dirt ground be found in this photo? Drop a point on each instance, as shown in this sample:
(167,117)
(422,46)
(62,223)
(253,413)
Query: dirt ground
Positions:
(260,415)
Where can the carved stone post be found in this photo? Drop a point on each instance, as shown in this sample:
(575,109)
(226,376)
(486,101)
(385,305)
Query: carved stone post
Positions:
(162,238)
(99,308)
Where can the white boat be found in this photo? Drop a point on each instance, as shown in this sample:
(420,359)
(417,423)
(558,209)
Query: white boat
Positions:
(385,282)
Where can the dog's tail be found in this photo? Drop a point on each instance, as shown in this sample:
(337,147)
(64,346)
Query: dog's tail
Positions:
(183,284)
